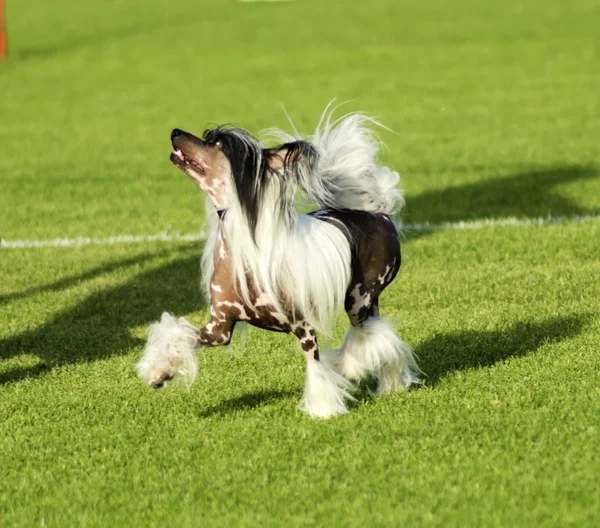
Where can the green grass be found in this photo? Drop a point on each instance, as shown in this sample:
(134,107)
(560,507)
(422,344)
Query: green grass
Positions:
(496,114)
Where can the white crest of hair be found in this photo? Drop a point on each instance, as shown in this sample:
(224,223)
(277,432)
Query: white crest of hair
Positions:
(169,353)
(375,348)
(347,174)
(325,393)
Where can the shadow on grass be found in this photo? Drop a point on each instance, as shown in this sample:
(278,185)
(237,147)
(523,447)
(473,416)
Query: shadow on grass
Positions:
(21,373)
(524,194)
(246,401)
(446,353)
(74,280)
(100,326)
(364,392)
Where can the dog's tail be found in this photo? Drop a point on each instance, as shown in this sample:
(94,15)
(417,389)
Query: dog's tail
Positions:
(343,172)
(347,175)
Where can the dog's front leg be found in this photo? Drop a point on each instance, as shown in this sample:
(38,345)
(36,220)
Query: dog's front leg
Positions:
(217,332)
(326,392)
(171,348)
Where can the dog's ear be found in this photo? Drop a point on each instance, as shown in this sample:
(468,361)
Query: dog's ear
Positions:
(291,156)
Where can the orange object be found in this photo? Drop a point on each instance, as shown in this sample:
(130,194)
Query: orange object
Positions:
(3,45)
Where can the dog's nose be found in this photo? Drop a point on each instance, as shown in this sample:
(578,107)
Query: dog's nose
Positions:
(176,132)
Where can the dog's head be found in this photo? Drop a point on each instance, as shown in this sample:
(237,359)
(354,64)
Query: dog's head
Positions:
(205,162)
(229,164)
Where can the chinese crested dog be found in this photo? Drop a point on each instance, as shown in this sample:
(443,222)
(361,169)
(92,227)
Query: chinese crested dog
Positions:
(268,265)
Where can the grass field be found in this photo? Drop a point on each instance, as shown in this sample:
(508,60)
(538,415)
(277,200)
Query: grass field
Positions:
(496,115)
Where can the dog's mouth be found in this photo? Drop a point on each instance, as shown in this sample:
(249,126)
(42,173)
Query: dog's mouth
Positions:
(179,159)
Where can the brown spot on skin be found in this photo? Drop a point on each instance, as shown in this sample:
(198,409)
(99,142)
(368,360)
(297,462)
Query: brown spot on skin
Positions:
(307,346)
(300,333)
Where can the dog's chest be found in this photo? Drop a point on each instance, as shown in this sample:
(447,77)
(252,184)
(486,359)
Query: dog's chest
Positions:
(227,304)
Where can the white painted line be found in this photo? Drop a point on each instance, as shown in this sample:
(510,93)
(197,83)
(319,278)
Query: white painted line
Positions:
(501,222)
(194,237)
(96,241)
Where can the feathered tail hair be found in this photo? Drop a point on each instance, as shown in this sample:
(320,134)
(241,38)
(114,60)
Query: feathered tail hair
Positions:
(292,256)
(339,170)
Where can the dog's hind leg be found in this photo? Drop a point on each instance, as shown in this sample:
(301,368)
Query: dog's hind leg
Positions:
(371,346)
(379,350)
(326,392)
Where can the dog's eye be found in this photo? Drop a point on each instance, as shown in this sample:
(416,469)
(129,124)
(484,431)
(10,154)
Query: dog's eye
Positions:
(218,144)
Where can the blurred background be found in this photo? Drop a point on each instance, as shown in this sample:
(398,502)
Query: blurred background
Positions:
(494,106)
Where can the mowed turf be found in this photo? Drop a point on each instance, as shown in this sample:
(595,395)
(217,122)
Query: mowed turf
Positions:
(495,114)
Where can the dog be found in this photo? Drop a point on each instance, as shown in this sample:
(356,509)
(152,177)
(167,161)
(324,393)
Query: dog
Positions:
(268,265)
